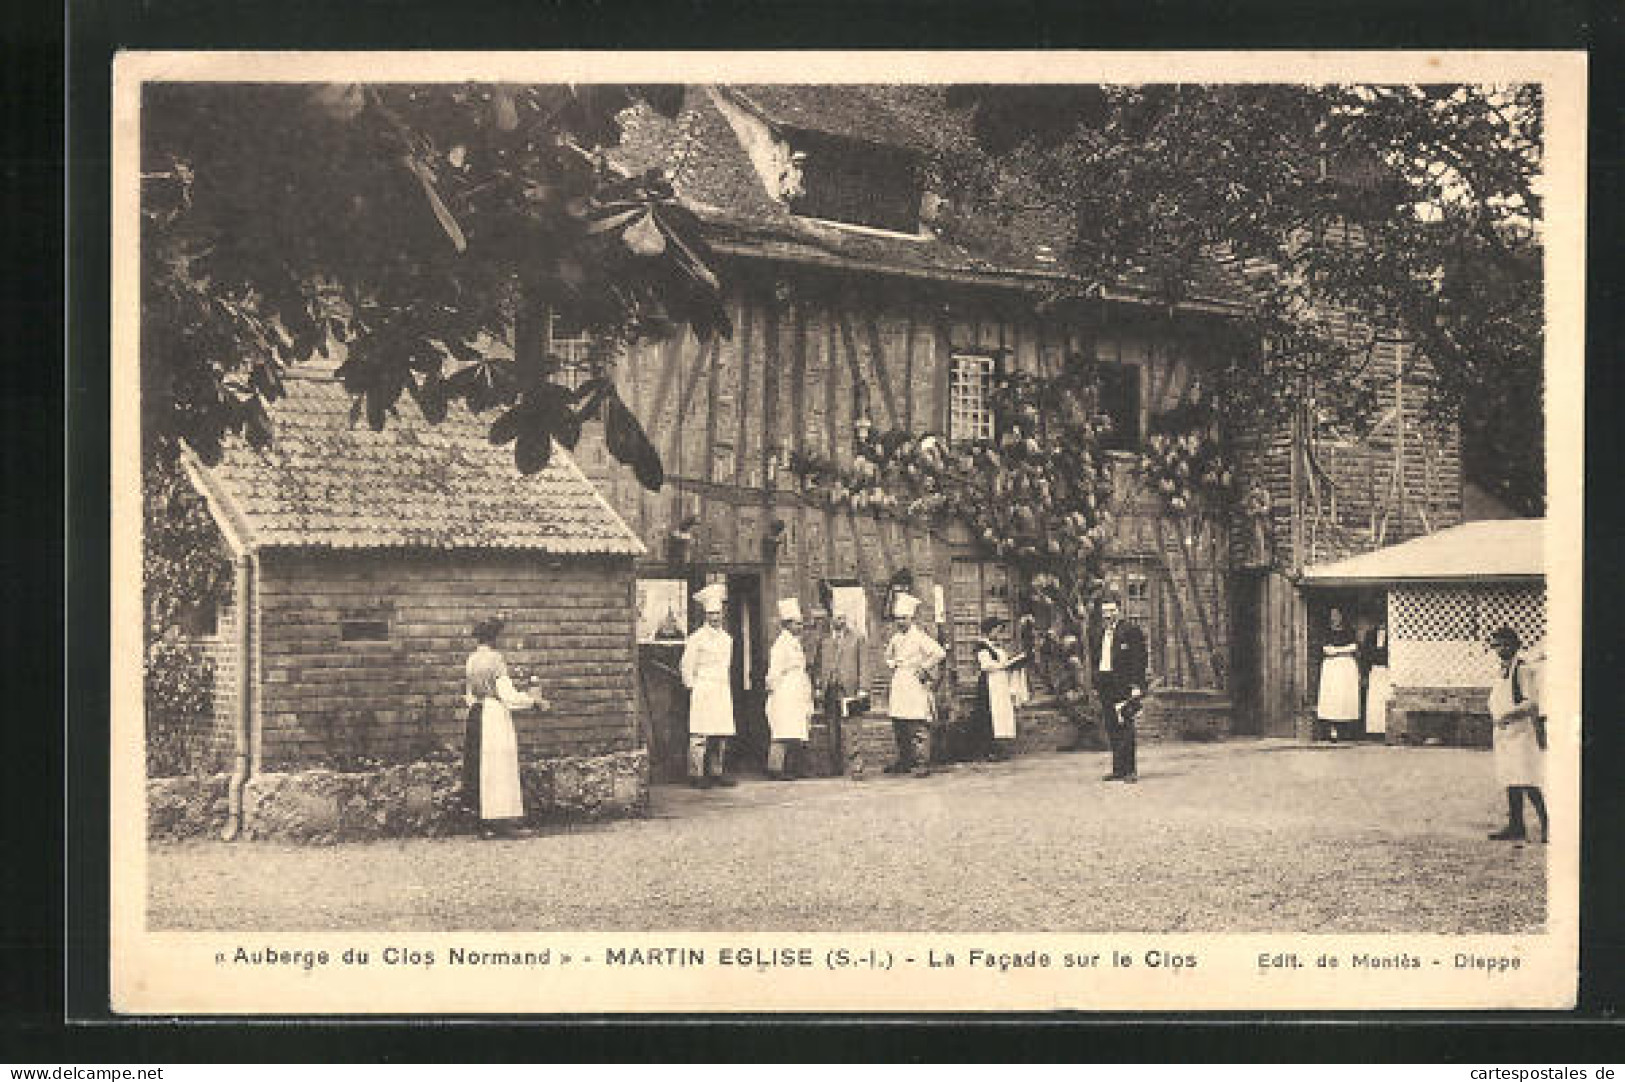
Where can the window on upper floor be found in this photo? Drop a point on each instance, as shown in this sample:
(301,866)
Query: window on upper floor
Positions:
(970,404)
(1120,400)
(857,183)
(572,344)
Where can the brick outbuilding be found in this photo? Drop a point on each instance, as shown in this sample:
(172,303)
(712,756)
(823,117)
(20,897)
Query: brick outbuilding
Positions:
(363,559)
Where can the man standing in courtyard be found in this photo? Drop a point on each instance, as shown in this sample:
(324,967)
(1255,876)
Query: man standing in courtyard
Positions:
(1518,737)
(707,659)
(840,680)
(1118,657)
(910,655)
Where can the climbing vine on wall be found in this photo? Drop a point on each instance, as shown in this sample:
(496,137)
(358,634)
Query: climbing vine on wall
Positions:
(1037,495)
(185,575)
(1185,457)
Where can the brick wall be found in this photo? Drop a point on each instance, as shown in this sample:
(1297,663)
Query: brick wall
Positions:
(569,622)
(222,650)
(1452,715)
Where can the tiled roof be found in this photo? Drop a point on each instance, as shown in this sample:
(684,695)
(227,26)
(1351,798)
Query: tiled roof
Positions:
(714,175)
(1495,549)
(880,113)
(325,483)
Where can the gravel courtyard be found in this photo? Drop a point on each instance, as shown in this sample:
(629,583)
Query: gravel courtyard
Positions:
(1246,836)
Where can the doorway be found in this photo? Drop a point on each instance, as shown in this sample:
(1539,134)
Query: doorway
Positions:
(748,674)
(1247,654)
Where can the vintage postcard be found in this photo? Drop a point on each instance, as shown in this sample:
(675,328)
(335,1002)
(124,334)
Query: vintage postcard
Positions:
(874,532)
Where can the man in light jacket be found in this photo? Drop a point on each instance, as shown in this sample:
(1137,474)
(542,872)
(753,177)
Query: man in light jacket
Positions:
(910,655)
(707,660)
(789,696)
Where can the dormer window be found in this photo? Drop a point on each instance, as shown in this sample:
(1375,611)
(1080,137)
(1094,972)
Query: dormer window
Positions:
(854,182)
(572,344)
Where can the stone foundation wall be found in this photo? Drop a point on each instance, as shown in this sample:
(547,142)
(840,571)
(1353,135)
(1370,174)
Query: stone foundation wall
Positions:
(1450,715)
(410,800)
(1186,715)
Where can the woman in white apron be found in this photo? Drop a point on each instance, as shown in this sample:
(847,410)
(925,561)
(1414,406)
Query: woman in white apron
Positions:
(1518,736)
(1339,701)
(491,787)
(995,696)
(789,696)
(1379,683)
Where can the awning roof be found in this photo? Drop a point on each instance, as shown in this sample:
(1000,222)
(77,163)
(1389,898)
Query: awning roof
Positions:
(1497,549)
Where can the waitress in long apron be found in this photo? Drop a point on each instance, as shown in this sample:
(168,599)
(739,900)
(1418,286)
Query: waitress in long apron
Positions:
(1378,681)
(491,786)
(1518,737)
(1339,701)
(789,696)
(995,698)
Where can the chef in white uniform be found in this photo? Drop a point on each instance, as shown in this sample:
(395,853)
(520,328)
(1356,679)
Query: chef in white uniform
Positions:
(707,660)
(789,696)
(1518,736)
(911,654)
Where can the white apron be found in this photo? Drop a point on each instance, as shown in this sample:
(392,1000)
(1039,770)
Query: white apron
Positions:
(1518,757)
(789,690)
(1379,688)
(909,654)
(706,660)
(501,795)
(1000,694)
(1339,687)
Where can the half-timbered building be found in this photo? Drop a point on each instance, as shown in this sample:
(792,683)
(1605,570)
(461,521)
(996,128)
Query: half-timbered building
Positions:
(850,310)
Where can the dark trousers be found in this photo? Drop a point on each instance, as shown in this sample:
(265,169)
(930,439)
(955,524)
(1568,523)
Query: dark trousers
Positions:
(1119,735)
(833,694)
(913,744)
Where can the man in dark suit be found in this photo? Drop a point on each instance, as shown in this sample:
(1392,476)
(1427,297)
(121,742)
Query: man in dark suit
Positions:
(1117,657)
(837,668)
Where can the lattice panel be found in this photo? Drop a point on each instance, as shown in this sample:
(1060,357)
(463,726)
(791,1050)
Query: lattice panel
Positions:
(1438,635)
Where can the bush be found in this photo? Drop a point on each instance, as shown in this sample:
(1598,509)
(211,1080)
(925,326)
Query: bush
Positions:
(185,575)
(179,699)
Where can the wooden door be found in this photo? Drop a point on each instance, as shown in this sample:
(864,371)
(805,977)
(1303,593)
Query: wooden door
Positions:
(1246,654)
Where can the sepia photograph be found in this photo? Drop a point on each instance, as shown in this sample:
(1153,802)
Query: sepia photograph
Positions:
(656,527)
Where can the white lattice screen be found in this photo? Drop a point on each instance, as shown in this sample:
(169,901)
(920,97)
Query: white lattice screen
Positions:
(1438,635)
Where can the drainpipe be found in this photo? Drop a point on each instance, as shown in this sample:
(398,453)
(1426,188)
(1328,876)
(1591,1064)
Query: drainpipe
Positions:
(245,697)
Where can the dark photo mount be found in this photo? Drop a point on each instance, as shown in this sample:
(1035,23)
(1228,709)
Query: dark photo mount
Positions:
(1423,1036)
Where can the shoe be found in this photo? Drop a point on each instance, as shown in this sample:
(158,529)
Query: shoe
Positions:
(1507,834)
(1131,779)
(1112,777)
(699,783)
(1070,747)
(895,768)
(723,781)
(775,775)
